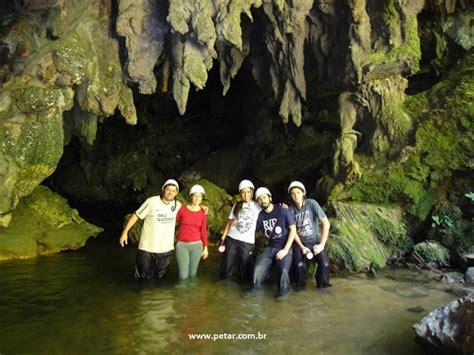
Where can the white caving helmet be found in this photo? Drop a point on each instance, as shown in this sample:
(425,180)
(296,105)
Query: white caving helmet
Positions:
(196,188)
(170,182)
(246,184)
(297,184)
(262,191)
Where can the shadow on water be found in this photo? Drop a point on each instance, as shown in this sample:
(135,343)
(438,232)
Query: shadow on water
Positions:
(88,302)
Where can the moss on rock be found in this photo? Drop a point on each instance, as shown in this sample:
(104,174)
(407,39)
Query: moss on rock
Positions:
(363,236)
(43,224)
(444,145)
(76,58)
(432,252)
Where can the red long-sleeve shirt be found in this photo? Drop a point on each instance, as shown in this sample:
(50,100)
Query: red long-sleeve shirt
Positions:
(193,226)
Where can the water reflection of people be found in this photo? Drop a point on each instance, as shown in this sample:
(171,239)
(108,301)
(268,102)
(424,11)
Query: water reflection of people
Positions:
(308,214)
(278,224)
(239,233)
(192,235)
(157,235)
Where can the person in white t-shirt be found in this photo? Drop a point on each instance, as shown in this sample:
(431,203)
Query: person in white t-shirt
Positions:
(157,236)
(239,233)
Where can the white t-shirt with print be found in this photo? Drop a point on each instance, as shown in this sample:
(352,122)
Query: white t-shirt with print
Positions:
(159,223)
(243,228)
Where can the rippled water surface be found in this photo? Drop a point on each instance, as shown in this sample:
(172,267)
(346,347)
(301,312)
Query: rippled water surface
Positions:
(88,302)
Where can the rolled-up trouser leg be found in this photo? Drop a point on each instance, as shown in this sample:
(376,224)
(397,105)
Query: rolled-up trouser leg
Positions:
(322,273)
(262,267)
(143,265)
(299,265)
(162,263)
(283,271)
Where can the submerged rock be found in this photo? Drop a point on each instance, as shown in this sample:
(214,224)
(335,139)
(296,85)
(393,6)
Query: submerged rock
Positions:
(43,224)
(449,329)
(452,277)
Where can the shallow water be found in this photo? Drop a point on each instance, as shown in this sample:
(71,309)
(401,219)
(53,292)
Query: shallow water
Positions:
(88,302)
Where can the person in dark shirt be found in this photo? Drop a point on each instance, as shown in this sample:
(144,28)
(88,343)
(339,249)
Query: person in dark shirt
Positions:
(278,225)
(308,215)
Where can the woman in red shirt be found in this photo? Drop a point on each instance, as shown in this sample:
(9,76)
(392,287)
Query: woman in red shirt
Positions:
(192,235)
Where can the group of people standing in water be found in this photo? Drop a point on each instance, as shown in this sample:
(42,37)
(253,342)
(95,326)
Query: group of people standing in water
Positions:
(293,234)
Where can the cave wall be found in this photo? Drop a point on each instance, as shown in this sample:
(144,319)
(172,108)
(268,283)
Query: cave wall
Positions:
(346,96)
(56,55)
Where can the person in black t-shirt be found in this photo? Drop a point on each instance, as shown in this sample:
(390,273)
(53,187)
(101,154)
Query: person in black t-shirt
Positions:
(279,226)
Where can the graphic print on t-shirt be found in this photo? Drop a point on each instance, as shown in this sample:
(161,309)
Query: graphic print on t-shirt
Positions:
(304,224)
(269,228)
(245,219)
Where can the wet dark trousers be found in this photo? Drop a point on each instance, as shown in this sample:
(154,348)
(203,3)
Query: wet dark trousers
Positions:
(264,263)
(148,264)
(240,250)
(299,265)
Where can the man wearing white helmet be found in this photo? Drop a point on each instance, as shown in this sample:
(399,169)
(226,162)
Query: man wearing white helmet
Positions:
(308,215)
(278,225)
(192,235)
(157,235)
(238,237)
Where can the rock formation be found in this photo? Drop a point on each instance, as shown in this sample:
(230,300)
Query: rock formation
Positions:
(366,101)
(449,329)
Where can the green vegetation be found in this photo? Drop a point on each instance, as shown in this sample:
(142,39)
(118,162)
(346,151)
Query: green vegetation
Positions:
(363,236)
(444,142)
(453,227)
(432,252)
(393,235)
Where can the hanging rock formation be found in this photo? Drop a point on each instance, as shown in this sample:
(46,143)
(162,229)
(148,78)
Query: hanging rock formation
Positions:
(321,96)
(51,66)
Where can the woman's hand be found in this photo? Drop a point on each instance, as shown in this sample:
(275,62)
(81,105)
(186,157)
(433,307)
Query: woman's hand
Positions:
(204,254)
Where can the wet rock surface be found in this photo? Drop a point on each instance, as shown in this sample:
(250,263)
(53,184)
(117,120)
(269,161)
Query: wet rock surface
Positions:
(44,224)
(449,329)
(364,101)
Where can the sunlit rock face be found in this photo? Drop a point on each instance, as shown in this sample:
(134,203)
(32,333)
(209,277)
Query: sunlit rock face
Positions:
(338,94)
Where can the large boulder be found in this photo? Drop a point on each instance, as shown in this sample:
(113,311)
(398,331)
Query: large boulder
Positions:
(43,224)
(449,329)
(364,236)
